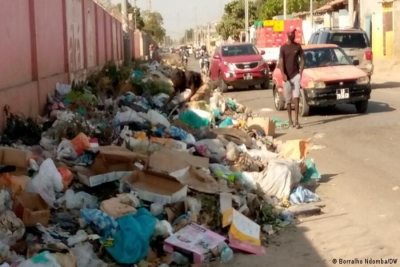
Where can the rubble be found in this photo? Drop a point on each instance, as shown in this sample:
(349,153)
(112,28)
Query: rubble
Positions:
(110,176)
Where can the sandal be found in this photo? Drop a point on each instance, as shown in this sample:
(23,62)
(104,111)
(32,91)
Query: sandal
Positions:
(296,125)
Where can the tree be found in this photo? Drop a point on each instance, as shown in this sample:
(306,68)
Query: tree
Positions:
(153,22)
(270,8)
(233,22)
(139,18)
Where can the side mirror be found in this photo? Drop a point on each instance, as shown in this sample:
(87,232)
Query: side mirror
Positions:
(215,56)
(356,62)
(262,52)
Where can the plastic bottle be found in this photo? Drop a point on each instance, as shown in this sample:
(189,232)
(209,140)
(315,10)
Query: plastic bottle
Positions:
(78,238)
(179,259)
(226,252)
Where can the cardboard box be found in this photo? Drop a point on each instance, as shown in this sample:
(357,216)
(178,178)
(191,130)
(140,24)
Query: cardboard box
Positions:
(168,160)
(15,157)
(156,187)
(31,209)
(194,242)
(112,163)
(264,125)
(244,234)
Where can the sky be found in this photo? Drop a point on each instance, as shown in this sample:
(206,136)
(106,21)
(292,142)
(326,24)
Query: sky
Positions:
(183,14)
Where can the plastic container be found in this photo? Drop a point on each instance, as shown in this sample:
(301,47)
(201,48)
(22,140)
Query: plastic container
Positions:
(179,259)
(226,252)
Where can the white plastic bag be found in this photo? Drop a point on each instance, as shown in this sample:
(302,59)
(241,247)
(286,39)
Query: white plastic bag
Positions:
(65,150)
(80,200)
(128,115)
(63,89)
(47,182)
(155,118)
(86,257)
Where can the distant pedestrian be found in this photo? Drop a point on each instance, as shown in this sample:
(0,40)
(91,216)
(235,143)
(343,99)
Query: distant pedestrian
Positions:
(291,65)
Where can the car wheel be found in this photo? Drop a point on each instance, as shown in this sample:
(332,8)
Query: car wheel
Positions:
(222,85)
(265,85)
(362,106)
(304,108)
(279,101)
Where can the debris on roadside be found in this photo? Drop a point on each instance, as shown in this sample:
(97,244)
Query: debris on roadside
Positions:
(112,175)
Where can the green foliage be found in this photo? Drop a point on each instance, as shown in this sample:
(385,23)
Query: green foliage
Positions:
(267,9)
(233,22)
(189,36)
(151,87)
(139,18)
(154,23)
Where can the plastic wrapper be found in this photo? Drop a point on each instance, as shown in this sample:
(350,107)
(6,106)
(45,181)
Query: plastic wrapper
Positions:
(86,257)
(44,259)
(80,143)
(80,200)
(47,182)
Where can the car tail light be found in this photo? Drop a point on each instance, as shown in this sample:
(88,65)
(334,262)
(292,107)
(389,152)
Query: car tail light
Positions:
(369,55)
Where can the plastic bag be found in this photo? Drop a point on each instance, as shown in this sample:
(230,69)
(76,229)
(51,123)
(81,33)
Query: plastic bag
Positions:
(163,228)
(63,89)
(66,150)
(302,195)
(155,118)
(80,143)
(80,200)
(295,149)
(12,228)
(79,237)
(194,120)
(66,176)
(311,172)
(104,225)
(156,209)
(44,259)
(47,182)
(131,241)
(129,115)
(86,257)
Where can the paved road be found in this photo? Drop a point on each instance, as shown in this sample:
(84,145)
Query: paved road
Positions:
(361,172)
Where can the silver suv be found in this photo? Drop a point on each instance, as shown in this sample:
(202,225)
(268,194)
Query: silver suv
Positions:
(354,42)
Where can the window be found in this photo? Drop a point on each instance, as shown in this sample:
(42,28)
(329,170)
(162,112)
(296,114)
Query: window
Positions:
(238,50)
(315,39)
(350,40)
(322,57)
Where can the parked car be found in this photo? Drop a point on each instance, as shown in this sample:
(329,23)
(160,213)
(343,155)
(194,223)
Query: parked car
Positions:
(239,65)
(354,42)
(330,77)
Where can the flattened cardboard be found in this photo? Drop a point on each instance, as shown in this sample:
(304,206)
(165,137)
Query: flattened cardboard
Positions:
(194,242)
(168,160)
(263,125)
(15,157)
(112,163)
(114,159)
(156,187)
(170,143)
(31,209)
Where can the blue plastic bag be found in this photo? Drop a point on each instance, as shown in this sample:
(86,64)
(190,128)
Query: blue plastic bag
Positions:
(104,224)
(132,239)
(302,195)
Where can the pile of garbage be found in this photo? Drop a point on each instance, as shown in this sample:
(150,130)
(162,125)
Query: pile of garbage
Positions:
(108,177)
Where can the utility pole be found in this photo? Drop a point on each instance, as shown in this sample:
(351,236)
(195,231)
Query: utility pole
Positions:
(208,36)
(127,37)
(246,19)
(351,13)
(312,15)
(284,9)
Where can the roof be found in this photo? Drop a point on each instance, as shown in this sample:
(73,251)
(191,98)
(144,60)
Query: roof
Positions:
(330,5)
(316,46)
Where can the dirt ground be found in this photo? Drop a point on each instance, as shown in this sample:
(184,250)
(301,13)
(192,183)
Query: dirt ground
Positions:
(358,156)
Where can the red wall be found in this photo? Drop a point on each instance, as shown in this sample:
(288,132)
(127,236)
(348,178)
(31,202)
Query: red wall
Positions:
(49,41)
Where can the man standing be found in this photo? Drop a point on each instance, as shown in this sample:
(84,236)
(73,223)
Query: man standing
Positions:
(291,65)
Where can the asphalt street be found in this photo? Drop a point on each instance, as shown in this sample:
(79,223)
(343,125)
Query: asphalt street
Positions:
(358,156)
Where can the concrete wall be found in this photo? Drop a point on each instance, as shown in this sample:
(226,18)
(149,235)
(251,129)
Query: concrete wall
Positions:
(48,41)
(368,7)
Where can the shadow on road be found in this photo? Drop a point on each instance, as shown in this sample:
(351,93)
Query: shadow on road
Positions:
(373,107)
(385,85)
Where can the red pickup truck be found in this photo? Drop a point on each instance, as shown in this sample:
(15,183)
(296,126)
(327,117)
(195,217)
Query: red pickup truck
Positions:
(239,65)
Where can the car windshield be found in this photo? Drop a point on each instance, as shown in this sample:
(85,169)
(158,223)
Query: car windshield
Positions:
(238,50)
(349,40)
(323,57)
